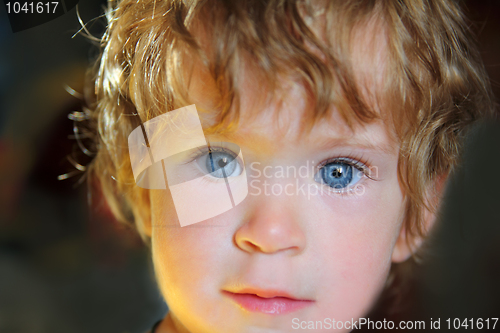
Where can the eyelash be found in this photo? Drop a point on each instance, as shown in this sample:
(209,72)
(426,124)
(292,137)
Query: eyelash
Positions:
(356,162)
(199,152)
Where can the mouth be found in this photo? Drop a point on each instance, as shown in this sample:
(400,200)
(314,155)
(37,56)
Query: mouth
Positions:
(267,301)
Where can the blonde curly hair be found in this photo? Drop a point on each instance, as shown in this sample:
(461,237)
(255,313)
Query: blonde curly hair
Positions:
(433,72)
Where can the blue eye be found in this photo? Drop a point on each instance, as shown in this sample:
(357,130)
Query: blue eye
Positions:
(339,175)
(220,163)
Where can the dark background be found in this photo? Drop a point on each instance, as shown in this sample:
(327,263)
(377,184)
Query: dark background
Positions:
(67,268)
(63,267)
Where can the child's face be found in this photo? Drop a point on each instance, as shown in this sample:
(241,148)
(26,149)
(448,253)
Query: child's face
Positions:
(325,253)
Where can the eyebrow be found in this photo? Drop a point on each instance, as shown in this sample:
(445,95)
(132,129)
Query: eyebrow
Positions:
(324,143)
(249,140)
(332,143)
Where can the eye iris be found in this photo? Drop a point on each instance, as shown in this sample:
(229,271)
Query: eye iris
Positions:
(337,175)
(217,161)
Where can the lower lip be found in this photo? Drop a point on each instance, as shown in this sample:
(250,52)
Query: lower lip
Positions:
(273,306)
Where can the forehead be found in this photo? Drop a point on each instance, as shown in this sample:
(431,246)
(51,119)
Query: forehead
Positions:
(271,124)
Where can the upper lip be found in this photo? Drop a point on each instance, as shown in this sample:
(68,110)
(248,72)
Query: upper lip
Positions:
(266,293)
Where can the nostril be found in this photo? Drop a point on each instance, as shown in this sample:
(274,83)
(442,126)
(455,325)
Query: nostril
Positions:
(249,246)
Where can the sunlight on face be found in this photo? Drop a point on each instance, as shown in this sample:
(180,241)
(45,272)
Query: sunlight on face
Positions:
(312,240)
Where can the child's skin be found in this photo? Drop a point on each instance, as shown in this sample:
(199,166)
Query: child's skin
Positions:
(332,250)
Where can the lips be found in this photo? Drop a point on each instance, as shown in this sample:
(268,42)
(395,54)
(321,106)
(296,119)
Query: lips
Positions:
(267,301)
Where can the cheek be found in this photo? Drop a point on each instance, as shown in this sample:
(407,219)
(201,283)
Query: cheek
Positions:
(368,223)
(188,268)
(356,237)
(177,260)
(180,255)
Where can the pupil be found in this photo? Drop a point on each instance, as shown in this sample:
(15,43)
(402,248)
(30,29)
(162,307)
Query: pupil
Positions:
(337,172)
(222,162)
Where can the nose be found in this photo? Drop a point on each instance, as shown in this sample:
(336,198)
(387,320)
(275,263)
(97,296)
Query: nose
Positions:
(274,226)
